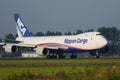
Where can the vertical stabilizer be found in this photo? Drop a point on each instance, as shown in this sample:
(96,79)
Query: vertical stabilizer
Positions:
(21,28)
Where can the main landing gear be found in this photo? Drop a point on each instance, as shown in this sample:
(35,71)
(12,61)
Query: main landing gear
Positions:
(73,56)
(51,56)
(61,56)
(55,56)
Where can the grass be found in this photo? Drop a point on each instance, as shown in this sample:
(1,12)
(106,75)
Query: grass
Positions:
(5,72)
(60,69)
(59,62)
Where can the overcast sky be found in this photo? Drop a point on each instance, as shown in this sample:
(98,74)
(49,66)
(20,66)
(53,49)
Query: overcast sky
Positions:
(59,15)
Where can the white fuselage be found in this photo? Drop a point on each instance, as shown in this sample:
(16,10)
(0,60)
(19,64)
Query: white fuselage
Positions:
(84,41)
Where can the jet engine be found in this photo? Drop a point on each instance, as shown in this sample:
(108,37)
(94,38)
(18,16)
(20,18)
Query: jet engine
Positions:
(42,51)
(11,48)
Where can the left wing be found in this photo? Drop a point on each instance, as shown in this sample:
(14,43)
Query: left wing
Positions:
(34,46)
(56,47)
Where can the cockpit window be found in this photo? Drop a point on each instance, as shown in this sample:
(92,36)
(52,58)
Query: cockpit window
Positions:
(99,34)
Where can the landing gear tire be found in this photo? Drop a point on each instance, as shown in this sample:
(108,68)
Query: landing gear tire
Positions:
(51,56)
(73,56)
(61,56)
(97,55)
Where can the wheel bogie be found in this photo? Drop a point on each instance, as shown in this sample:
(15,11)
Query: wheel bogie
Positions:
(73,56)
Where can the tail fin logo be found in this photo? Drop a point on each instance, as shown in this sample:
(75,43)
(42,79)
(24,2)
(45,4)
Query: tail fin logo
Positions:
(21,26)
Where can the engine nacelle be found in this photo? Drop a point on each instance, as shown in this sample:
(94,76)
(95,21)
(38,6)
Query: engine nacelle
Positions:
(42,51)
(10,48)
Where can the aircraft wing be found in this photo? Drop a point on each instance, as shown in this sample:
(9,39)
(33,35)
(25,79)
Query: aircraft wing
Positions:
(16,44)
(35,46)
(25,45)
(56,47)
(47,46)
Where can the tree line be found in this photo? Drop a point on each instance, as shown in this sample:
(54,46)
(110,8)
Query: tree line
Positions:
(111,33)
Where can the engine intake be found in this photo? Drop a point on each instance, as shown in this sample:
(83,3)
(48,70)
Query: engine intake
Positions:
(11,48)
(42,51)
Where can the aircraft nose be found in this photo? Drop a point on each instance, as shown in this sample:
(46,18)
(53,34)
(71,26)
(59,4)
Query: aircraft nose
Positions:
(104,42)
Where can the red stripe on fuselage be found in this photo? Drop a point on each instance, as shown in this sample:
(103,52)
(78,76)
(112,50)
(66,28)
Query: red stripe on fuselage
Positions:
(58,44)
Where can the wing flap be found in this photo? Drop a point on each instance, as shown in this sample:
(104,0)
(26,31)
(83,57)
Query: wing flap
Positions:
(34,46)
(56,47)
(25,45)
(19,45)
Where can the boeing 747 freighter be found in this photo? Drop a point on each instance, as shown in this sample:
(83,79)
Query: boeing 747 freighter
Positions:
(55,45)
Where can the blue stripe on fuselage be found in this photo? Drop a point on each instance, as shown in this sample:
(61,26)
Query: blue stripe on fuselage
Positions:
(70,50)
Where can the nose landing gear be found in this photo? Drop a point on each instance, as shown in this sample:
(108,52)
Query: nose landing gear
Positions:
(97,54)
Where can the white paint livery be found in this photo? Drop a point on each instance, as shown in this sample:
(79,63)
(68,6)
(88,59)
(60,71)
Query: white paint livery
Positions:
(94,41)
